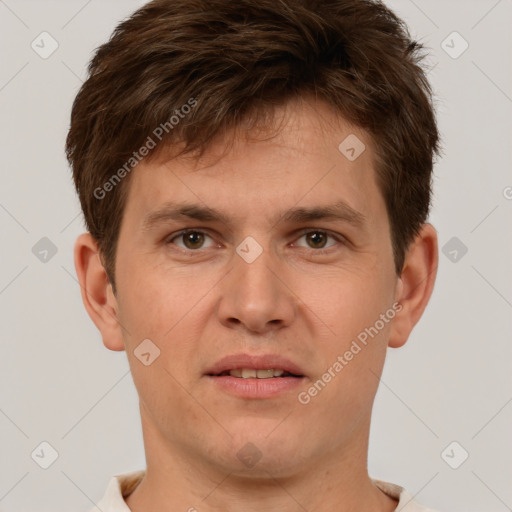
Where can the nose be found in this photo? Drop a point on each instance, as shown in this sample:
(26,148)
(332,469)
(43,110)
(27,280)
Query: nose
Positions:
(255,296)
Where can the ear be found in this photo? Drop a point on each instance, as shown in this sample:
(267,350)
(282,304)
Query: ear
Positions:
(415,284)
(97,294)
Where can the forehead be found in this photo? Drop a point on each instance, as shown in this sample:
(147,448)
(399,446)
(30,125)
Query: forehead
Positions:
(310,157)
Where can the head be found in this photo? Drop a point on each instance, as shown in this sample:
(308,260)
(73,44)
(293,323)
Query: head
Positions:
(307,127)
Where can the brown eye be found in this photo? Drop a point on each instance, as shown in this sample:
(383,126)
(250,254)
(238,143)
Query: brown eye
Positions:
(191,240)
(316,239)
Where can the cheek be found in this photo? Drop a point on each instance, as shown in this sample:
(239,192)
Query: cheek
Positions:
(359,312)
(347,302)
(166,313)
(154,300)
(168,307)
(343,394)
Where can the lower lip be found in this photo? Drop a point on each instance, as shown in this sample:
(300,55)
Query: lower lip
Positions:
(256,388)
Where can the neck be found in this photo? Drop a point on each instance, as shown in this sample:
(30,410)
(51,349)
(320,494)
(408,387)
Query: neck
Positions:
(176,480)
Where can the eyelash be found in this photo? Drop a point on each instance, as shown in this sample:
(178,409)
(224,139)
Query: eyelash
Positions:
(305,231)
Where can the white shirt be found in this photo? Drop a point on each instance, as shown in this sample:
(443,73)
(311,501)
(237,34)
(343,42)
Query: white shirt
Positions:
(120,486)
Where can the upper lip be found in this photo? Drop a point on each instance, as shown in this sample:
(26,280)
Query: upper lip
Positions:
(254,362)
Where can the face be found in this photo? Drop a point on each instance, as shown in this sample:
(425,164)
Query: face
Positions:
(286,265)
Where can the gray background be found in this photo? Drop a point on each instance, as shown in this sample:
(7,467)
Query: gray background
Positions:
(451,382)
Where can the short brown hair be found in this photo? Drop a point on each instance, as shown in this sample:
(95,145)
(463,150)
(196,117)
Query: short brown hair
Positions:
(235,60)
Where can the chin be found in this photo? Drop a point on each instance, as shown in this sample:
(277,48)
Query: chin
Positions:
(262,448)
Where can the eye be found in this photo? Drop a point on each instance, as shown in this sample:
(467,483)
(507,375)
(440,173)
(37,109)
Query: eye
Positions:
(192,239)
(317,240)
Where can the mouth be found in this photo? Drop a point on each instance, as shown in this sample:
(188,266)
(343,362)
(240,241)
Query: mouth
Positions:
(253,373)
(255,376)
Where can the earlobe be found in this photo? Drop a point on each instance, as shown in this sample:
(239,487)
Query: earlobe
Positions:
(415,284)
(96,290)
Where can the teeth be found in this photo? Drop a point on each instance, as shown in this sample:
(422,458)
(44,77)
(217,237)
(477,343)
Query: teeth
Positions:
(247,373)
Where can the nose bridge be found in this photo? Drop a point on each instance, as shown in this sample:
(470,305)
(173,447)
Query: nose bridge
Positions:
(254,279)
(254,294)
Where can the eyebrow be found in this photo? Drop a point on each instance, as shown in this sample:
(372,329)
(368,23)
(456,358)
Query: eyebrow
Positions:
(340,211)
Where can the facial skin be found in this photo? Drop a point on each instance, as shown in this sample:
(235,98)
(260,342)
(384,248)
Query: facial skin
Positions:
(198,305)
